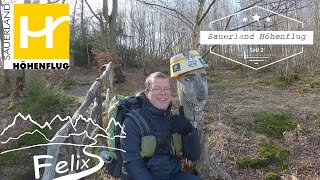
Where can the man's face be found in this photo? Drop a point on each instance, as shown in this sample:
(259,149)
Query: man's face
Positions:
(159,93)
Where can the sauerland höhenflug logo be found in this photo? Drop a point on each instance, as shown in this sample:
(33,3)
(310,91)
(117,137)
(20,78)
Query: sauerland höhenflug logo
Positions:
(36,36)
(74,163)
(256,37)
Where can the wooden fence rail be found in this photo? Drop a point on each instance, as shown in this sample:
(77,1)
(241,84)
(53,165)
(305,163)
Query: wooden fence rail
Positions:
(92,96)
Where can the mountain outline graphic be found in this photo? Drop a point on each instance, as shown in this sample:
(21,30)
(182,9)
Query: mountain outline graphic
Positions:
(49,125)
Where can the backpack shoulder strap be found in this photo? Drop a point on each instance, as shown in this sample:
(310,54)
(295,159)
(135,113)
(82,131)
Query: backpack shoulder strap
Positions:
(140,122)
(136,121)
(145,124)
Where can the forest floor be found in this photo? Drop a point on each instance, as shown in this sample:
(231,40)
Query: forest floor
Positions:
(236,99)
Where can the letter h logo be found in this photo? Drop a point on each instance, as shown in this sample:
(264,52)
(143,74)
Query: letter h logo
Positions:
(47,31)
(41,32)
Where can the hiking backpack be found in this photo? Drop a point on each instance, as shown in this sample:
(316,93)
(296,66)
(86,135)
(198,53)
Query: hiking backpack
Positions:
(120,107)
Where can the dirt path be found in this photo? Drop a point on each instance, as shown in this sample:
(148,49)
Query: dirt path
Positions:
(84,78)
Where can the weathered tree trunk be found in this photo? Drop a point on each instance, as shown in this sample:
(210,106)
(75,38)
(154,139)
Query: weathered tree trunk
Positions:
(111,19)
(73,32)
(7,82)
(196,27)
(84,39)
(192,96)
(23,76)
(112,28)
(6,72)
(206,166)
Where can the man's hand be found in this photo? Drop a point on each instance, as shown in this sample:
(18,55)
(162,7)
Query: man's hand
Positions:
(180,124)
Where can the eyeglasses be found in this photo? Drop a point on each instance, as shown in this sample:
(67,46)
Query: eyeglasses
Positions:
(159,90)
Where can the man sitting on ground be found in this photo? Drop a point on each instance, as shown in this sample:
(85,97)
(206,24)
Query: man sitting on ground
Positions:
(155,155)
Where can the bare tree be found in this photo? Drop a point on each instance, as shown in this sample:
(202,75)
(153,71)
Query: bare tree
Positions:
(199,18)
(21,74)
(108,26)
(84,34)
(6,72)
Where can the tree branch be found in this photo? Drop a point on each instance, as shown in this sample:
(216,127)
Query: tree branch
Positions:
(168,8)
(91,10)
(182,20)
(239,11)
(207,11)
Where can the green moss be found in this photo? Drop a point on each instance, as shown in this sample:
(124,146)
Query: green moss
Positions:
(237,67)
(272,176)
(23,174)
(250,162)
(227,83)
(294,76)
(283,82)
(318,140)
(232,157)
(263,82)
(67,83)
(98,175)
(37,138)
(268,154)
(305,128)
(213,78)
(275,154)
(11,106)
(309,85)
(234,84)
(19,157)
(303,88)
(2,84)
(210,120)
(273,124)
(317,82)
(241,83)
(11,158)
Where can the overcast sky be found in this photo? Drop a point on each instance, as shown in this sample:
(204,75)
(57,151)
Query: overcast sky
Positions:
(95,4)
